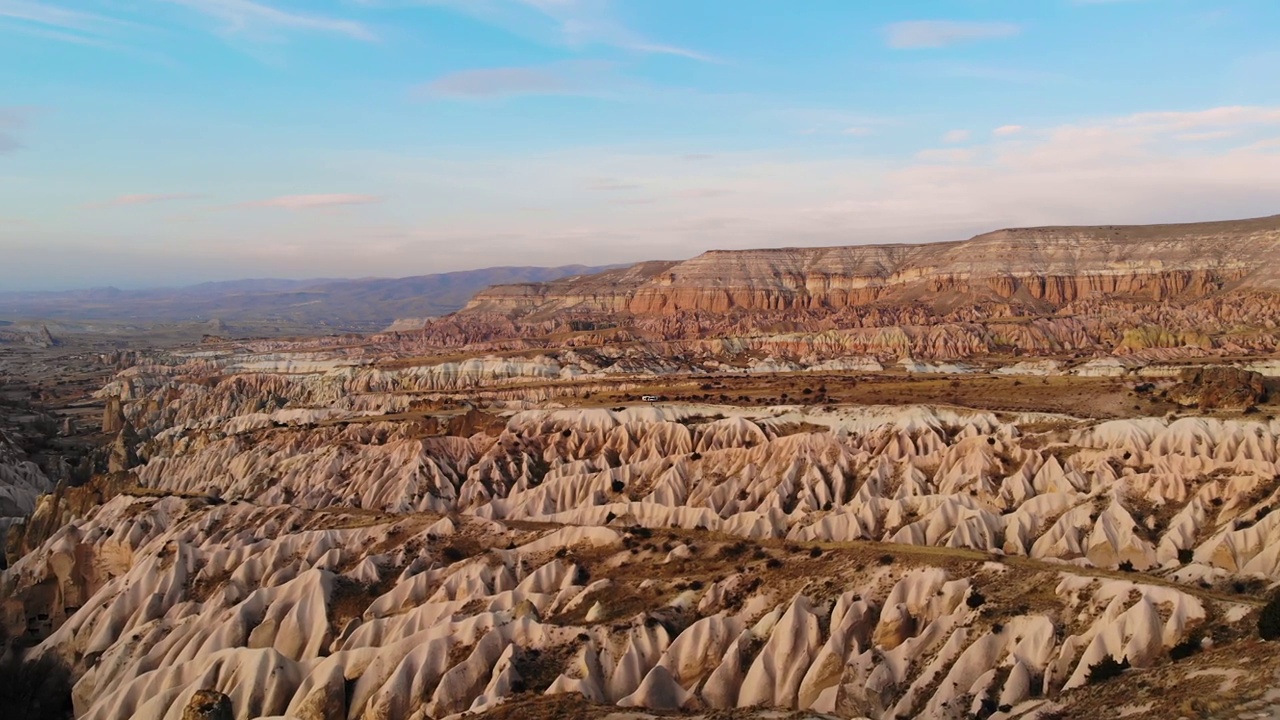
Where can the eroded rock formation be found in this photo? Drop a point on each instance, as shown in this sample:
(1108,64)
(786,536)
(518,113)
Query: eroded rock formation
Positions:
(1052,266)
(1219,387)
(1206,286)
(318,565)
(474,520)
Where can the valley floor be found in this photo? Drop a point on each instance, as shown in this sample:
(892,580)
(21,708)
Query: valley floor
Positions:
(321,534)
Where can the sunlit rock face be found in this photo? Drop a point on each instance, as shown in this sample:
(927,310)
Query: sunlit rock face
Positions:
(1119,289)
(21,484)
(1136,492)
(483,517)
(1054,266)
(861,561)
(319,615)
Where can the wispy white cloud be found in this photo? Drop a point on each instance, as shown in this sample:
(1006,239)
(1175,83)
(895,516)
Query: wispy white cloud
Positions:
(572,23)
(1219,117)
(923,34)
(64,22)
(611,185)
(826,121)
(1207,135)
(472,207)
(946,155)
(1267,145)
(1007,130)
(57,35)
(51,15)
(311,202)
(148,198)
(13,120)
(595,22)
(59,23)
(703,192)
(1017,74)
(247,16)
(956,136)
(1106,170)
(659,49)
(568,78)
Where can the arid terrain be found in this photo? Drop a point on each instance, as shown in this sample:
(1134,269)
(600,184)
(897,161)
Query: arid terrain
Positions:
(270,307)
(1027,475)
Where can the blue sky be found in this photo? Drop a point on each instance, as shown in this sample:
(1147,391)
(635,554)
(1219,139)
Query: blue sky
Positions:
(162,142)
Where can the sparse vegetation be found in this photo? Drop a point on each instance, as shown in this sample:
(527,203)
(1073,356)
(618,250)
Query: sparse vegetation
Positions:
(1186,648)
(1269,619)
(1105,669)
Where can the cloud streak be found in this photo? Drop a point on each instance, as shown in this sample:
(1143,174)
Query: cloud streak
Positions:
(569,78)
(611,185)
(595,22)
(48,21)
(12,120)
(248,16)
(571,23)
(1220,117)
(1121,169)
(314,202)
(946,155)
(148,199)
(928,34)
(49,15)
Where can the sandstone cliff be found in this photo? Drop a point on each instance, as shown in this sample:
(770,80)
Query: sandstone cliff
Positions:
(1203,287)
(1039,267)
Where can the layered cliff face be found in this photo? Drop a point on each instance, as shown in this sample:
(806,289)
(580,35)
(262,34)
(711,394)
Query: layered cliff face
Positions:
(1045,267)
(1207,286)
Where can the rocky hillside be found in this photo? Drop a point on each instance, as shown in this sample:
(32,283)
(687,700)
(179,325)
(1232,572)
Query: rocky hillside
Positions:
(1040,267)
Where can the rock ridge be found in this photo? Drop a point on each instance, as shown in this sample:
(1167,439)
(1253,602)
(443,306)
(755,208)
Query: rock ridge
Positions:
(1043,268)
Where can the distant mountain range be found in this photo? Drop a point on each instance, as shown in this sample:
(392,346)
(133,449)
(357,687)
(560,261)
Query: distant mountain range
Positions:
(358,305)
